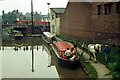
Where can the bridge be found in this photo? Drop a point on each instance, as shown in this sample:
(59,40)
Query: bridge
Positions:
(25,29)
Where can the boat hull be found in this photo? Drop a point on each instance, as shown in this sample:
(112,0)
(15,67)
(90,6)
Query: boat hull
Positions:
(68,63)
(18,37)
(62,60)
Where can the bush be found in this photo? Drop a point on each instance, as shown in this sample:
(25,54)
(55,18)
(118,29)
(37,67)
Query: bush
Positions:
(113,63)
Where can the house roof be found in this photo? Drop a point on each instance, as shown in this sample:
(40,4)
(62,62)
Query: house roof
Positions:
(58,10)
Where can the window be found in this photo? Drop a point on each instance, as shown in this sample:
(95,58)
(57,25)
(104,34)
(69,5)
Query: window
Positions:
(118,7)
(99,9)
(52,17)
(108,8)
(105,7)
(57,15)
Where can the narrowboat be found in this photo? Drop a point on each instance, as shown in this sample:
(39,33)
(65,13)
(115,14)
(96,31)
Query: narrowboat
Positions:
(18,36)
(47,36)
(59,49)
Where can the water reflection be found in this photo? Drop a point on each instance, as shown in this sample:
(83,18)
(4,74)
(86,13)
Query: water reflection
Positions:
(0,60)
(3,48)
(17,48)
(49,55)
(22,56)
(19,58)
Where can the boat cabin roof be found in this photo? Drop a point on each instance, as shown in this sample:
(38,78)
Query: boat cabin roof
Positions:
(62,46)
(48,34)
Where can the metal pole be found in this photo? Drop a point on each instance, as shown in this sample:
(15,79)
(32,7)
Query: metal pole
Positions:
(48,14)
(32,33)
(48,11)
(32,16)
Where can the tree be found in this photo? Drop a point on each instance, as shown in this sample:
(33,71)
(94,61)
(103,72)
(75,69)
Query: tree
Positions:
(10,17)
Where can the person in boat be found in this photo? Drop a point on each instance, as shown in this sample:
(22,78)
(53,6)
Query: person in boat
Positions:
(68,53)
(74,53)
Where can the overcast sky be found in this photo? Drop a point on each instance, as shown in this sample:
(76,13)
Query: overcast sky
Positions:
(24,5)
(39,5)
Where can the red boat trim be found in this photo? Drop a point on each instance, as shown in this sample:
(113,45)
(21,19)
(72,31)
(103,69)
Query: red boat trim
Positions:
(61,48)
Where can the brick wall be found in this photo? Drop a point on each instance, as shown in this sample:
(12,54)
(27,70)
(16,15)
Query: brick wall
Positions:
(76,21)
(81,21)
(106,25)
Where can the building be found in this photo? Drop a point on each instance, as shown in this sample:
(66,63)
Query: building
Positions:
(76,21)
(96,21)
(0,26)
(55,14)
(106,20)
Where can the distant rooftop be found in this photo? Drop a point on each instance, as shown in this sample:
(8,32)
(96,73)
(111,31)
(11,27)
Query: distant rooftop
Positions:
(58,10)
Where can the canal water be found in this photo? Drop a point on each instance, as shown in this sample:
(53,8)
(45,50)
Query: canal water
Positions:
(17,61)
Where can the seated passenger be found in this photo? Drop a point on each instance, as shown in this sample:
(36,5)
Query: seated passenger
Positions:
(68,53)
(74,52)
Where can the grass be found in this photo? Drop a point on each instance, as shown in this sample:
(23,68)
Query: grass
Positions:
(89,68)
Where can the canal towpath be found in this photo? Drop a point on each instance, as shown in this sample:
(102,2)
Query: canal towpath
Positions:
(100,68)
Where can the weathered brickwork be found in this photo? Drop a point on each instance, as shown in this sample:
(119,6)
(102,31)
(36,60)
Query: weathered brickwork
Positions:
(76,21)
(81,21)
(106,25)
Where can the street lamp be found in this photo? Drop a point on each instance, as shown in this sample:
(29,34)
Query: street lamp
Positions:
(48,16)
(32,33)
